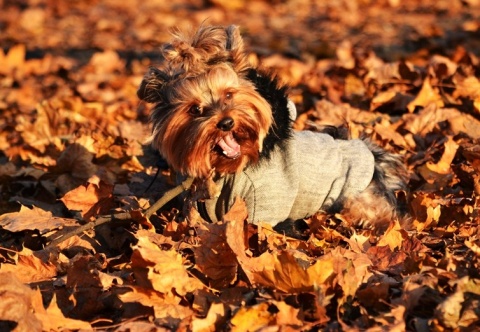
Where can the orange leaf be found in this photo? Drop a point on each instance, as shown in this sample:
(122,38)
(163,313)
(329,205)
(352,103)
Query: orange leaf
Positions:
(161,269)
(427,95)
(90,200)
(35,218)
(15,58)
(217,260)
(252,318)
(216,315)
(443,165)
(52,318)
(16,303)
(30,268)
(393,237)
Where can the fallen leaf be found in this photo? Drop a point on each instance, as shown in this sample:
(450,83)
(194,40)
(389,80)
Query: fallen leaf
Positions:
(16,303)
(163,270)
(90,200)
(252,318)
(33,219)
(427,95)
(214,320)
(30,268)
(393,237)
(52,317)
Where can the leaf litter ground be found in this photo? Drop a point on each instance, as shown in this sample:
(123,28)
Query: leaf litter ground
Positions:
(71,141)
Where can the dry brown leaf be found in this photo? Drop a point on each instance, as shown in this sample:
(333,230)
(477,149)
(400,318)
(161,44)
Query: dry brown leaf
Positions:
(359,243)
(214,320)
(90,200)
(393,237)
(468,87)
(440,174)
(106,62)
(282,270)
(443,166)
(252,318)
(383,259)
(76,160)
(448,312)
(166,307)
(139,326)
(387,133)
(16,303)
(390,100)
(286,315)
(52,317)
(428,95)
(33,219)
(30,268)
(15,58)
(146,296)
(216,260)
(163,270)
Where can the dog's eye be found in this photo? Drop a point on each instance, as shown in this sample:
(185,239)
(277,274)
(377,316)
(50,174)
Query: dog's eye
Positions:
(228,95)
(195,110)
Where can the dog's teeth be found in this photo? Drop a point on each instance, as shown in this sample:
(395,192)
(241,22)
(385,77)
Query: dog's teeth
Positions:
(225,152)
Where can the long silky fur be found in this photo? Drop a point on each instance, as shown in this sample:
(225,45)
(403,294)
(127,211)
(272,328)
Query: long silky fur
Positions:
(275,94)
(193,58)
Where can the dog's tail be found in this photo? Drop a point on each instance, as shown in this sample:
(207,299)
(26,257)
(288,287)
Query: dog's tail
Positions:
(390,175)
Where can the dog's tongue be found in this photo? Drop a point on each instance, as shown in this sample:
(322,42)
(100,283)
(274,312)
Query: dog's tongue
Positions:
(229,145)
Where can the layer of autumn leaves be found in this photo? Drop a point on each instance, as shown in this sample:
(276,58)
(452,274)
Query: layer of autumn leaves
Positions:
(71,135)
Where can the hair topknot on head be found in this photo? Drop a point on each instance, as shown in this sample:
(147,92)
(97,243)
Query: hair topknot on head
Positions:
(192,54)
(208,46)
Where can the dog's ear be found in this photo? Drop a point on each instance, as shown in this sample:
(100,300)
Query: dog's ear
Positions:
(234,45)
(150,89)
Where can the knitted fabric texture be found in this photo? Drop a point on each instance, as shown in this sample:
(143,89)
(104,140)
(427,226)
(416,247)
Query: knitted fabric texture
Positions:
(310,173)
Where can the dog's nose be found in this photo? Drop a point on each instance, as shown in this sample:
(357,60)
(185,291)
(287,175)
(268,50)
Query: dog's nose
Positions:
(226,124)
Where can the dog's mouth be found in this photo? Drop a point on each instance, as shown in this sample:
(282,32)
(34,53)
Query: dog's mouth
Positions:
(229,146)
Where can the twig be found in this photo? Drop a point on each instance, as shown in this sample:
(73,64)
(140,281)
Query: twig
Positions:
(168,196)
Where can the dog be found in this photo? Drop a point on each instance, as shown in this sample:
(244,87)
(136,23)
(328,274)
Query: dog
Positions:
(216,116)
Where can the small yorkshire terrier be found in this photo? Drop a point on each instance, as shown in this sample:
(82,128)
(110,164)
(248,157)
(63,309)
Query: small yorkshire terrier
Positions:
(218,117)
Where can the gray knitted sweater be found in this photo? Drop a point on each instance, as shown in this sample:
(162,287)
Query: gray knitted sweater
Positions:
(308,175)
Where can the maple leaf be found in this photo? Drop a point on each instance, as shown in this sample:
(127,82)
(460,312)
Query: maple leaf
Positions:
(31,267)
(216,260)
(52,317)
(440,173)
(163,270)
(166,307)
(90,200)
(16,303)
(427,95)
(15,58)
(33,219)
(393,237)
(288,271)
(214,320)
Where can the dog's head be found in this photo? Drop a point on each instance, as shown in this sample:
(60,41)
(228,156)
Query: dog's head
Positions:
(208,116)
